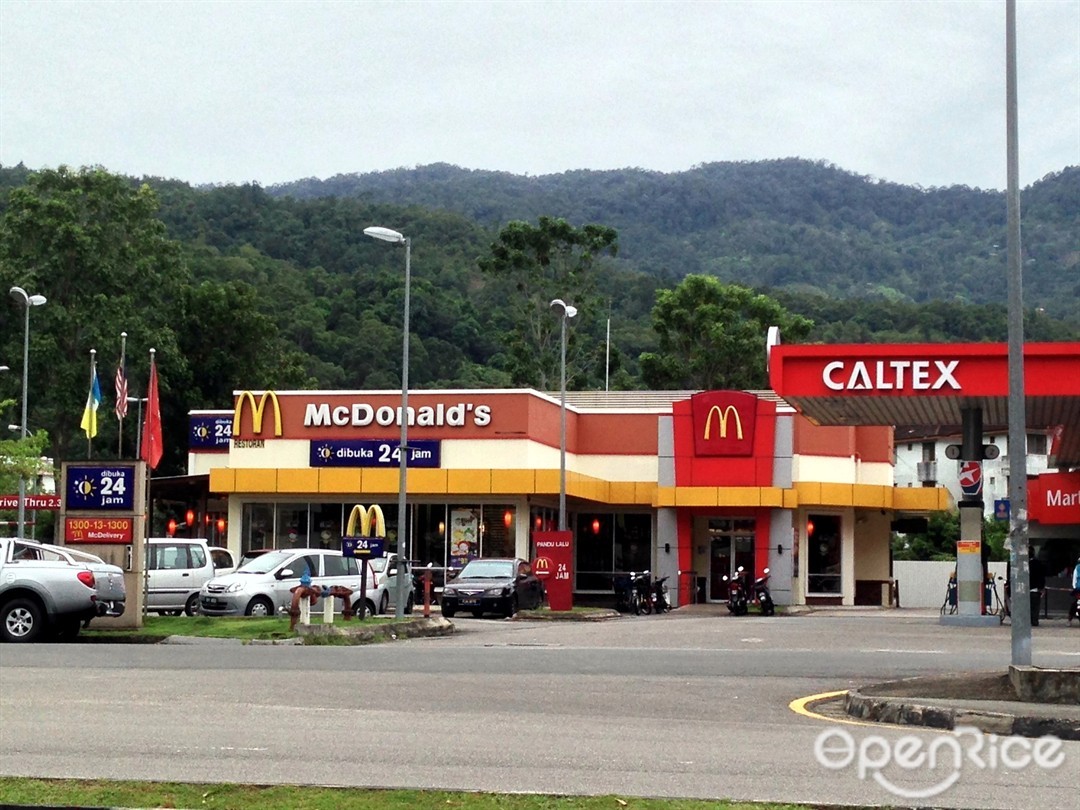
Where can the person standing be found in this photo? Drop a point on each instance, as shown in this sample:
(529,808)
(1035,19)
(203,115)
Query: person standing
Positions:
(1074,601)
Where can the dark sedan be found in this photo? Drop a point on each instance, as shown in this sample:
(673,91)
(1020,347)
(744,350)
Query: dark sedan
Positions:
(493,585)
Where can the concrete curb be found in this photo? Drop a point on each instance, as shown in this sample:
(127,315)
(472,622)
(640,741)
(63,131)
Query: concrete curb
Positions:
(913,712)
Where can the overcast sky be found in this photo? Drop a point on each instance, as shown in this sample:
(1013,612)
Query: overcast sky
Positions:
(230,92)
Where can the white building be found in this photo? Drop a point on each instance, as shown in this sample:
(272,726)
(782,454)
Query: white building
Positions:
(921,461)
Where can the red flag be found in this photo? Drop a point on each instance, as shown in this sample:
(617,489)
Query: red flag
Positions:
(151,434)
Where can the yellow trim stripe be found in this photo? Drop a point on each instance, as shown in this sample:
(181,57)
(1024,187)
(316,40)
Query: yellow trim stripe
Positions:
(582,487)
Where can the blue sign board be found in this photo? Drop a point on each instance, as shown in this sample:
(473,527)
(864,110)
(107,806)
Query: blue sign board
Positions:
(102,487)
(373,453)
(209,432)
(1001,509)
(363,546)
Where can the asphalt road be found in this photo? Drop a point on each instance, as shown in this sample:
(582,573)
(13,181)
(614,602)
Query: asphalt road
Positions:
(674,705)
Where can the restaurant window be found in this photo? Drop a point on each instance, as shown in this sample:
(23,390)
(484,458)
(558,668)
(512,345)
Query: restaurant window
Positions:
(429,535)
(823,547)
(326,525)
(291,528)
(257,527)
(594,552)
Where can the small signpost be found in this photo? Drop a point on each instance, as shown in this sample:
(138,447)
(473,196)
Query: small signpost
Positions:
(368,543)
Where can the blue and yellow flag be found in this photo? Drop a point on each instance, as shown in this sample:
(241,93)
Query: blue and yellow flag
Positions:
(93,399)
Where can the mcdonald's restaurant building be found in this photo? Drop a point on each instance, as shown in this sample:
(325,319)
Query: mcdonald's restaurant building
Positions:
(689,485)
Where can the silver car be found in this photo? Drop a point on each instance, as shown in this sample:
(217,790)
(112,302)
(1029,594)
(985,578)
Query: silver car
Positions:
(264,585)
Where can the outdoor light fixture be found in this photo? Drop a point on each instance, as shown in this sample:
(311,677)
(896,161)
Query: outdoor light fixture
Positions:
(387,235)
(221,525)
(27,300)
(508,518)
(170,527)
(189,518)
(596,526)
(567,312)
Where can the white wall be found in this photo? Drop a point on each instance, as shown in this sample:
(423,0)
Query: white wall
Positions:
(924,584)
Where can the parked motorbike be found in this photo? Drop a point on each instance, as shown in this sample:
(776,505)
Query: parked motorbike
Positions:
(660,595)
(642,598)
(762,596)
(737,602)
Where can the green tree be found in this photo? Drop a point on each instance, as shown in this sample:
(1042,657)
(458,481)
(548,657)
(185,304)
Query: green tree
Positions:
(91,242)
(542,262)
(938,542)
(712,335)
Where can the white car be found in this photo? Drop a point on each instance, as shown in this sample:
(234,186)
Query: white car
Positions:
(386,574)
(264,586)
(177,569)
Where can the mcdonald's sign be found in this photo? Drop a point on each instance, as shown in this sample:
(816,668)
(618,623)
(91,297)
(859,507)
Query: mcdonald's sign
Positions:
(724,423)
(258,410)
(371,539)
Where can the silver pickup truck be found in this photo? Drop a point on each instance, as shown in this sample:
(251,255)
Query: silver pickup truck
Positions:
(45,588)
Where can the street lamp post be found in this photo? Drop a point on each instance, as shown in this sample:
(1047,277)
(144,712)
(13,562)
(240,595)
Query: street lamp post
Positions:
(27,300)
(567,312)
(387,235)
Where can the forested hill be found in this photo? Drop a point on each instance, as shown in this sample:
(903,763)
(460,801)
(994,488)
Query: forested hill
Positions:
(807,227)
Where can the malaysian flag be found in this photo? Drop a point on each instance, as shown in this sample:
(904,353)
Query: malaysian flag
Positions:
(121,391)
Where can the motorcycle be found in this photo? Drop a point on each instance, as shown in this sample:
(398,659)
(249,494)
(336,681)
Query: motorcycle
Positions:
(642,597)
(737,602)
(762,596)
(660,595)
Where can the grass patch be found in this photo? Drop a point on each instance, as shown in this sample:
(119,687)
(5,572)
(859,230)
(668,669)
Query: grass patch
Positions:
(246,628)
(102,793)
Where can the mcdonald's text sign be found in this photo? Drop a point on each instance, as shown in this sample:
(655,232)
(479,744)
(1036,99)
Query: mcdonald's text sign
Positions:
(724,423)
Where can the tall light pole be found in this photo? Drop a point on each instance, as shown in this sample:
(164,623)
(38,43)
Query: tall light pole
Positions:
(387,235)
(567,312)
(27,300)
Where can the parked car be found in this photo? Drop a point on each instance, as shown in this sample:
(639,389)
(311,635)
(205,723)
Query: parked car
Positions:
(223,560)
(177,568)
(251,554)
(500,585)
(263,586)
(386,573)
(45,590)
(109,583)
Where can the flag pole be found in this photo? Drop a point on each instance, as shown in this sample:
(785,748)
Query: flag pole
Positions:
(121,395)
(89,432)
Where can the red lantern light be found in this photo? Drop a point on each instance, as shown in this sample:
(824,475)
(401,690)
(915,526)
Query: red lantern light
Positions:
(508,518)
(539,522)
(170,527)
(221,524)
(596,526)
(189,518)
(809,528)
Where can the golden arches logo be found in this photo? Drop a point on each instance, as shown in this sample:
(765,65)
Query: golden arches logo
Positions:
(372,522)
(723,414)
(257,411)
